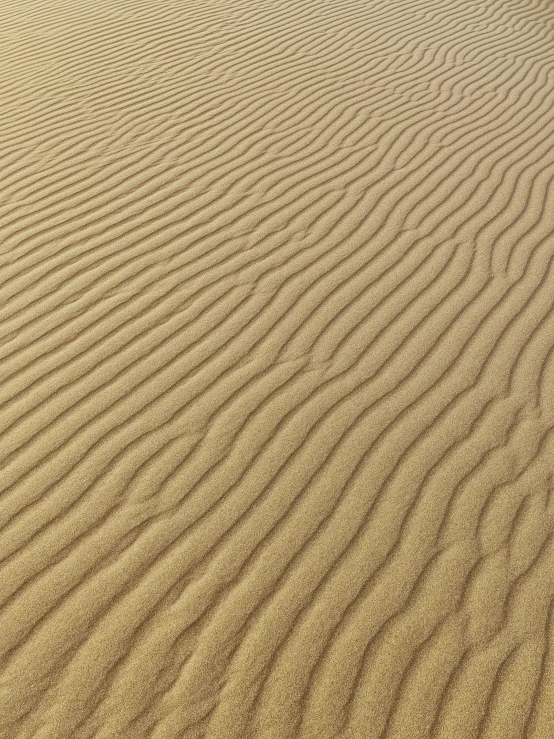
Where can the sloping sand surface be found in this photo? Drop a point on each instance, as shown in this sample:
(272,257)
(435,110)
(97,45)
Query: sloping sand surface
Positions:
(277,363)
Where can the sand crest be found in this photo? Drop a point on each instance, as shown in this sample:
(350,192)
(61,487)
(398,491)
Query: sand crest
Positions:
(277,369)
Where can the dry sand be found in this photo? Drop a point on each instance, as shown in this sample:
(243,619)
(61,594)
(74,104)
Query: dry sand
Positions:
(277,359)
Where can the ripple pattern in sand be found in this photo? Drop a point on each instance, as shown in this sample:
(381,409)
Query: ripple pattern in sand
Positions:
(277,363)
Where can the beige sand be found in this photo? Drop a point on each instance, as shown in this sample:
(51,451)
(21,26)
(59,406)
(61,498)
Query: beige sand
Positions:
(277,359)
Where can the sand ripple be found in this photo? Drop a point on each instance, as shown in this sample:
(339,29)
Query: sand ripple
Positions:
(277,363)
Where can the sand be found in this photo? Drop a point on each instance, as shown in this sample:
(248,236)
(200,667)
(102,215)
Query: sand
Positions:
(277,363)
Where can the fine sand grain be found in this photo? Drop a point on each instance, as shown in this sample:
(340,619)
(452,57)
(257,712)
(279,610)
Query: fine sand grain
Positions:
(277,369)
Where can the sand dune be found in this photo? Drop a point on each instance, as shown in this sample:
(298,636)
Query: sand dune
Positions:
(277,361)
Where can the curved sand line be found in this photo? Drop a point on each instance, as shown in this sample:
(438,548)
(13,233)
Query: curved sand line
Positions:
(277,362)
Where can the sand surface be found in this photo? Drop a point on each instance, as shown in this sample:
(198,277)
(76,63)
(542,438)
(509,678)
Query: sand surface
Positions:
(277,369)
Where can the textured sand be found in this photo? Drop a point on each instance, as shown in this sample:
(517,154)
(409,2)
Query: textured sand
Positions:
(277,361)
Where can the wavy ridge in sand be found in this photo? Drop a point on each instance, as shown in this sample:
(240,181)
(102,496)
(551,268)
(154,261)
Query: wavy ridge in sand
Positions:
(277,359)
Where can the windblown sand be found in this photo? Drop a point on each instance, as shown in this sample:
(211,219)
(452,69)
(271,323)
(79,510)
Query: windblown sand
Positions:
(277,361)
